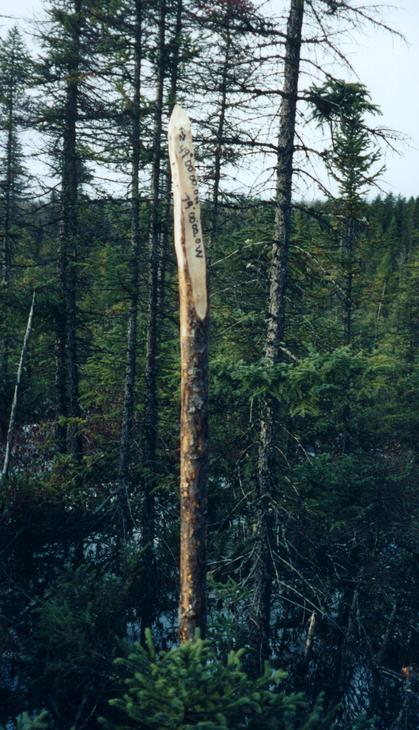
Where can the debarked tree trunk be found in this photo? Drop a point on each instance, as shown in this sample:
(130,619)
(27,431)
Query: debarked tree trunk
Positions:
(193,295)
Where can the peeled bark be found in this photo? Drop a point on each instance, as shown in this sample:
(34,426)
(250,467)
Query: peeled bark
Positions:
(193,299)
(263,570)
(310,636)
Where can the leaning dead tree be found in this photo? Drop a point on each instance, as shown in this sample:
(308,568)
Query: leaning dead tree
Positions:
(13,411)
(193,300)
(278,277)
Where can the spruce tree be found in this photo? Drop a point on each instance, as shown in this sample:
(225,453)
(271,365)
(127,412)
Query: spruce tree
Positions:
(351,162)
(15,70)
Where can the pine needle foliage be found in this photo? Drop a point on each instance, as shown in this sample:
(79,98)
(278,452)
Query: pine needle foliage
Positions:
(25,721)
(189,687)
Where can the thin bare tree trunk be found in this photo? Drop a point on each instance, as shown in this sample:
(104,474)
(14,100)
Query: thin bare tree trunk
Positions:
(346,648)
(348,266)
(387,634)
(61,375)
(263,570)
(193,298)
(176,44)
(150,395)
(8,216)
(7,253)
(174,78)
(12,420)
(310,637)
(220,127)
(301,665)
(67,356)
(124,519)
(349,242)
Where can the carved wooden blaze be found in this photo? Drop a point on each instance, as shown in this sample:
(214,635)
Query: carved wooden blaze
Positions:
(193,300)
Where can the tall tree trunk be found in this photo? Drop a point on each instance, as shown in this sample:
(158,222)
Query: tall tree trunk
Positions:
(174,78)
(150,396)
(124,519)
(8,195)
(349,242)
(221,124)
(61,366)
(193,299)
(346,647)
(263,569)
(174,70)
(67,356)
(8,220)
(348,266)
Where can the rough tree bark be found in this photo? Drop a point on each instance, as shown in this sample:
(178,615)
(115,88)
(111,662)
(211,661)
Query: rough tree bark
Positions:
(193,299)
(124,519)
(221,123)
(67,356)
(11,98)
(349,241)
(172,95)
(150,394)
(7,247)
(8,192)
(263,568)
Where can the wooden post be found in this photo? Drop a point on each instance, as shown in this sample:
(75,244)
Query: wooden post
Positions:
(193,296)
(12,420)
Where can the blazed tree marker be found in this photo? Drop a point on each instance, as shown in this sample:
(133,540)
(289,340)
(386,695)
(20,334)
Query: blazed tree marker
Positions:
(193,301)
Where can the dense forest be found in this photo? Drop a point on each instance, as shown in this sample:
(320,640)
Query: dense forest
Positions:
(312,517)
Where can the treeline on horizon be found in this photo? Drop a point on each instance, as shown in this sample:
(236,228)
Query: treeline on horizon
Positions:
(312,514)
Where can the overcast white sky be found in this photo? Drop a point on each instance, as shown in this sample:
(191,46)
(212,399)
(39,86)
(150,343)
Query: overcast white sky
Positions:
(387,66)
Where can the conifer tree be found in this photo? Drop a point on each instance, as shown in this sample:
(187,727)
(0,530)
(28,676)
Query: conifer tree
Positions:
(64,73)
(14,78)
(231,26)
(63,62)
(136,238)
(351,162)
(263,570)
(177,58)
(150,422)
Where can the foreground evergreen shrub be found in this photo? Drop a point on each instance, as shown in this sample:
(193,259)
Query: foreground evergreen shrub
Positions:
(25,721)
(74,644)
(189,687)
